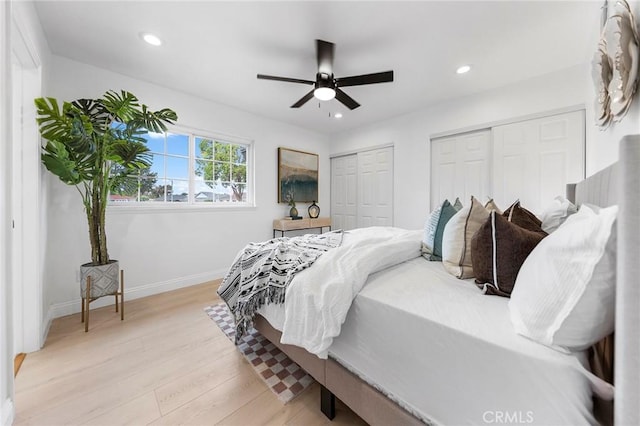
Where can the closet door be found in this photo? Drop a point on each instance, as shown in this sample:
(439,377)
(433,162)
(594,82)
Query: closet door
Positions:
(461,167)
(533,160)
(344,189)
(375,187)
(362,189)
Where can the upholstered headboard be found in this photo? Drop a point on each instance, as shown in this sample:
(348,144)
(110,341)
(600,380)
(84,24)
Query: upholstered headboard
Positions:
(627,348)
(620,184)
(600,189)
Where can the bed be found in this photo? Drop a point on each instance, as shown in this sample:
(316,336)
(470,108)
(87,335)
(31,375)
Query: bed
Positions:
(450,333)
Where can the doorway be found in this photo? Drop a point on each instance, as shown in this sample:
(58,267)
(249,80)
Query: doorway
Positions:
(26,209)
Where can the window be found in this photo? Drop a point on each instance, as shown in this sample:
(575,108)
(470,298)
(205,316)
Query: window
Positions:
(190,168)
(221,169)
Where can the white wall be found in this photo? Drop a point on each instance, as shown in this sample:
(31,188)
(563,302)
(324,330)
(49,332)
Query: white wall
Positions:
(161,250)
(410,133)
(6,340)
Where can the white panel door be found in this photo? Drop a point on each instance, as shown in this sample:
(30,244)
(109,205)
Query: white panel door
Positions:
(375,187)
(460,167)
(344,189)
(533,160)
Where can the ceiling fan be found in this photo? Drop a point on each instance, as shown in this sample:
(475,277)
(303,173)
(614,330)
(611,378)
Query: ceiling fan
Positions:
(326,86)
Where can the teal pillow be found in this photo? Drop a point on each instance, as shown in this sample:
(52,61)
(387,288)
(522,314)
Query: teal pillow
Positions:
(446,213)
(457,205)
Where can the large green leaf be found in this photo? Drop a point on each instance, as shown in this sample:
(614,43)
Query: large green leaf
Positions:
(54,125)
(122,106)
(153,121)
(56,159)
(130,155)
(82,135)
(93,111)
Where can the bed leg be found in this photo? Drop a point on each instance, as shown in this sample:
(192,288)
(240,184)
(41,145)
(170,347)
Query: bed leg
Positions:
(327,403)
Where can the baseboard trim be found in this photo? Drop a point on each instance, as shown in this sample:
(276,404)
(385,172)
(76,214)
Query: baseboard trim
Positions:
(57,310)
(46,326)
(7,412)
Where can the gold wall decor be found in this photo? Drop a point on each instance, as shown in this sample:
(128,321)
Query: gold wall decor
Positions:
(615,65)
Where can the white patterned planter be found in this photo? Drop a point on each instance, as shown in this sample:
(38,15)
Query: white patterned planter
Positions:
(104,279)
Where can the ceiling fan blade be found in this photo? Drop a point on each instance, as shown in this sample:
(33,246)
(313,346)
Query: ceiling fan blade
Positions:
(287,79)
(358,80)
(347,100)
(303,100)
(324,53)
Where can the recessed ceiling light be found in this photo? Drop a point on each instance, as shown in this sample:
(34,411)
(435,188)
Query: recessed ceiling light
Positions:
(338,115)
(152,39)
(463,69)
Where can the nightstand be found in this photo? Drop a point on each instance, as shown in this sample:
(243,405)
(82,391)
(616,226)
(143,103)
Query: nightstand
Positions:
(284,225)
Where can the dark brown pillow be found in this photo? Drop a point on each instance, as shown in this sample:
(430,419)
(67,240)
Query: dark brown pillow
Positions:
(523,217)
(513,244)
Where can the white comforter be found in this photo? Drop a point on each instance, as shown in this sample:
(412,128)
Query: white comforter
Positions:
(318,298)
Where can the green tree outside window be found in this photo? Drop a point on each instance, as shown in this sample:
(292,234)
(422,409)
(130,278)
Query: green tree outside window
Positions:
(223,163)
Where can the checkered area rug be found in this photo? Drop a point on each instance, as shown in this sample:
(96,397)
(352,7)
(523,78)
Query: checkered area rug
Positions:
(283,376)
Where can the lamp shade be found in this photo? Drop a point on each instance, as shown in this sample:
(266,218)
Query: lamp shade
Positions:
(324,93)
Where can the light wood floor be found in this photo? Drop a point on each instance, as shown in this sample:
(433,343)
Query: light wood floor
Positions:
(166,364)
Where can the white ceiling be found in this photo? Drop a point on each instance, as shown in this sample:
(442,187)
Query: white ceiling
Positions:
(215,49)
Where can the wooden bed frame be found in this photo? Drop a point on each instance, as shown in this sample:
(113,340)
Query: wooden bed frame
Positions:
(336,381)
(618,183)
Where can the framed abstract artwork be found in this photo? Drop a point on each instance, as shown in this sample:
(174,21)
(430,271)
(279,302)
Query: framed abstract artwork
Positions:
(297,176)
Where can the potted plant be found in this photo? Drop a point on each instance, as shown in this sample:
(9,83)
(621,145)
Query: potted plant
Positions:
(96,145)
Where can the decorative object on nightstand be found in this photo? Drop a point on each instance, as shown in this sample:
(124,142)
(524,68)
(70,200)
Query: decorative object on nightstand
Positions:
(293,211)
(96,145)
(314,210)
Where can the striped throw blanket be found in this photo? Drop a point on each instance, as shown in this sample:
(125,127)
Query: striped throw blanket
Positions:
(262,271)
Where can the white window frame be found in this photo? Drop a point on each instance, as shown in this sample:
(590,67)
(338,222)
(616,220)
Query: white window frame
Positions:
(191,205)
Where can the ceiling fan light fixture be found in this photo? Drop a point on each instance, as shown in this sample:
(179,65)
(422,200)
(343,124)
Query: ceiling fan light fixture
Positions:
(324,93)
(326,86)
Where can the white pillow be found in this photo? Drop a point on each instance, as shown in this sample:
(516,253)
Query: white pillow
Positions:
(564,296)
(456,239)
(556,213)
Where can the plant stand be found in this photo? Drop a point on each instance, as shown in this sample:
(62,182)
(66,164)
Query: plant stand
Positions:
(87,299)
